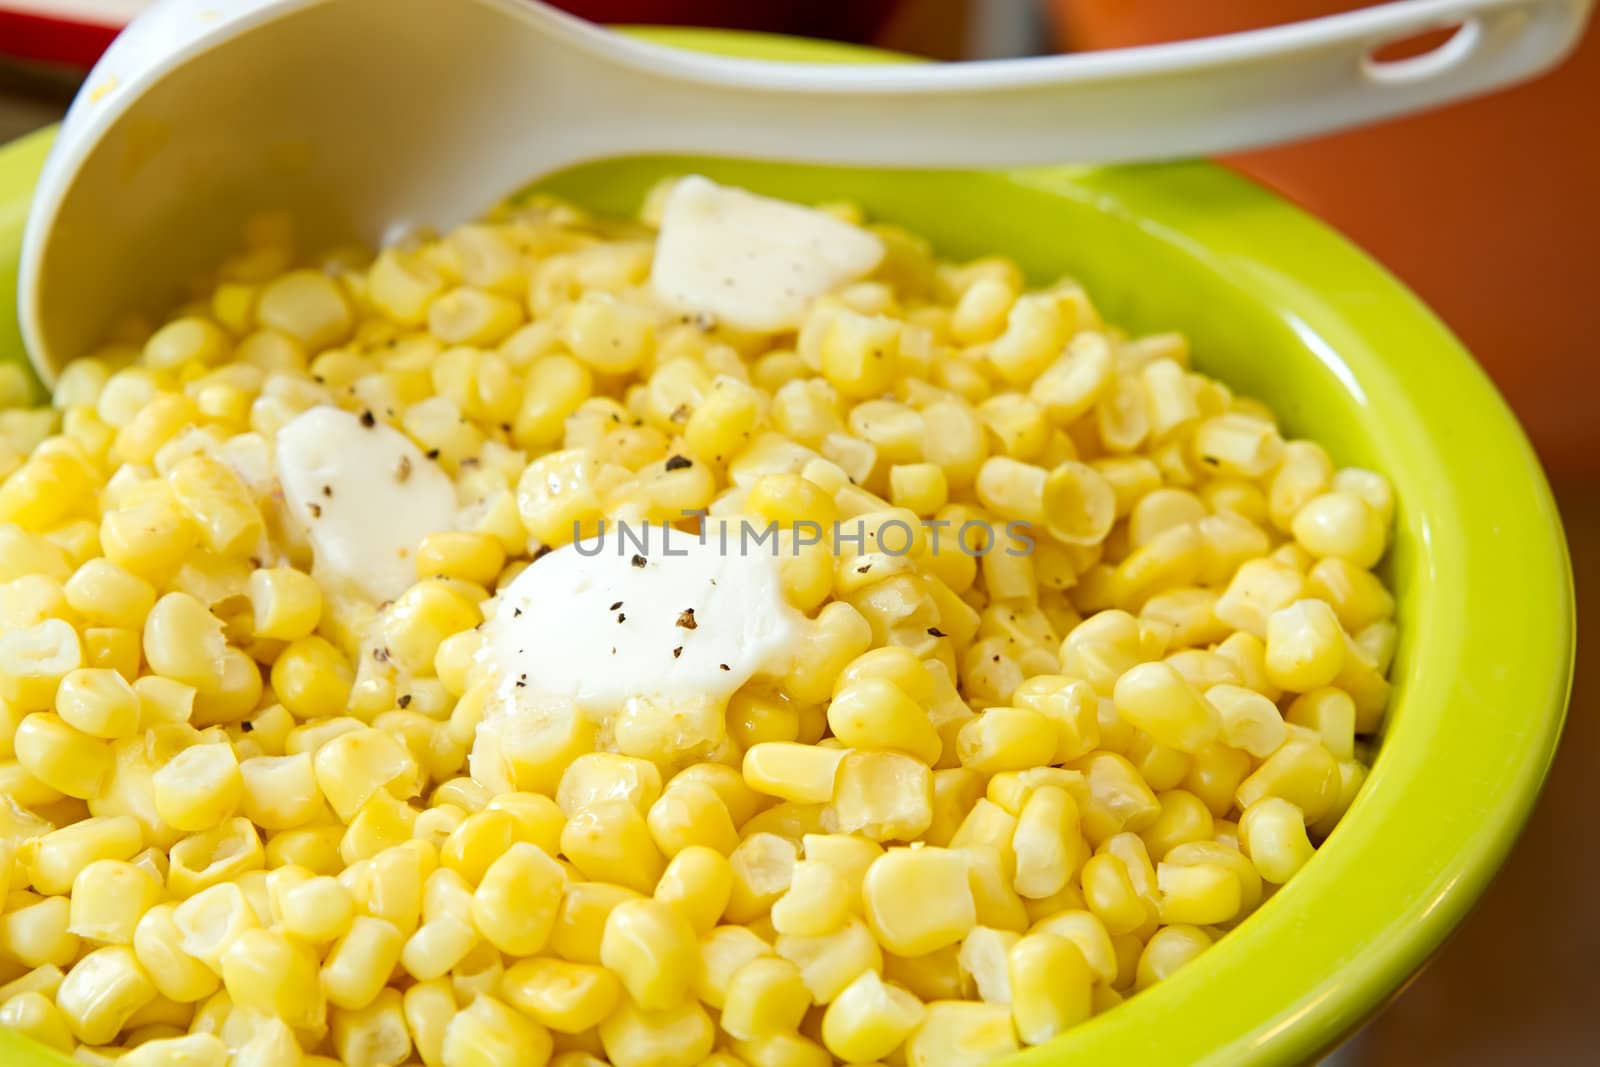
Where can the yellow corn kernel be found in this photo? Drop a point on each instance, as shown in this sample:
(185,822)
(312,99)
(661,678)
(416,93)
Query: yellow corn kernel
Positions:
(436,946)
(921,488)
(487,1033)
(60,854)
(313,908)
(698,883)
(603,776)
(804,774)
(307,306)
(870,1019)
(286,603)
(99,703)
(1250,721)
(1155,698)
(108,595)
(516,903)
(1273,832)
(1118,798)
(723,422)
(472,557)
(109,897)
(355,765)
(762,868)
(102,991)
(955,790)
(1342,524)
(45,980)
(860,354)
(359,964)
(61,757)
(566,997)
(1332,714)
(208,921)
(1305,646)
(198,788)
(312,679)
(787,499)
(610,841)
(881,795)
(1199,894)
(580,923)
(874,713)
(225,851)
(918,900)
(690,815)
(1259,588)
(1050,986)
(765,996)
(1168,950)
(219,505)
(556,385)
(35,934)
(428,1008)
(1184,817)
(1006,739)
(817,901)
(679,1036)
(113,649)
(279,792)
(830,962)
(652,948)
(723,951)
(610,336)
(184,641)
(33,661)
(980,312)
(425,615)
(1047,842)
(1302,772)
(32,1014)
(957,1033)
(374,1035)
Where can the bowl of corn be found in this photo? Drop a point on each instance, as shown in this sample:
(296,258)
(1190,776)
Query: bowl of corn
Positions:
(1203,779)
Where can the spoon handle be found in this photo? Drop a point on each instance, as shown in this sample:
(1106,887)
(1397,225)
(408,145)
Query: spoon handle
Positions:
(1190,98)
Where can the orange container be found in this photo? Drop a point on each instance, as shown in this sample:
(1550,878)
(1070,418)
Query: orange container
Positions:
(1490,209)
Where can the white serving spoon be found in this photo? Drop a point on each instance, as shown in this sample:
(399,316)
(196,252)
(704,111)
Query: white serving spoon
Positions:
(358,115)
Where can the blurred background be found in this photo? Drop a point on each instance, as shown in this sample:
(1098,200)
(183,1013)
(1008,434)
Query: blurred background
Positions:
(1490,210)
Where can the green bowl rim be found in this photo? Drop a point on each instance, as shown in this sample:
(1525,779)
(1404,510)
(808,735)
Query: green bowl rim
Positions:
(1484,513)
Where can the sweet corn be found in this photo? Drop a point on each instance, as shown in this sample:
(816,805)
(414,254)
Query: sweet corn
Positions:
(653,949)
(1168,950)
(918,900)
(881,795)
(698,882)
(109,897)
(1050,986)
(1273,832)
(765,996)
(957,1033)
(1066,782)
(101,993)
(679,1036)
(517,900)
(487,1033)
(568,998)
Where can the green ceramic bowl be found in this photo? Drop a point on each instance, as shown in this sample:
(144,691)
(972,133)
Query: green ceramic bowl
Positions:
(1284,309)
